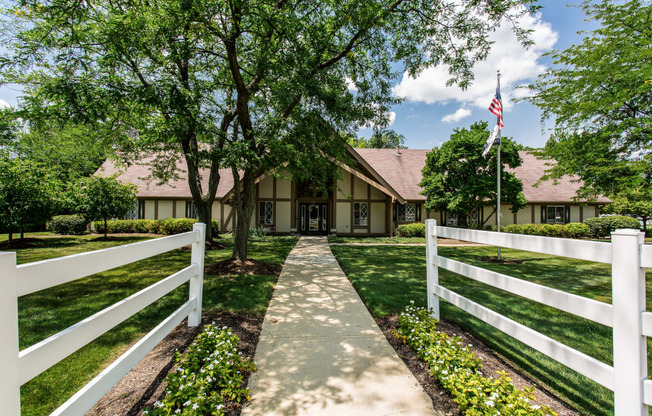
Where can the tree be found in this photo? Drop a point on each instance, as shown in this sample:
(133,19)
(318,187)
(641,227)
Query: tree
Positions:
(245,85)
(28,194)
(101,198)
(380,139)
(600,95)
(633,202)
(458,180)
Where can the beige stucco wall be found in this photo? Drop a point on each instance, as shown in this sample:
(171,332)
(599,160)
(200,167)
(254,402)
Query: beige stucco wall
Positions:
(215,211)
(508,215)
(283,188)
(283,214)
(524,216)
(377,217)
(266,188)
(575,213)
(359,189)
(164,209)
(343,217)
(344,186)
(227,210)
(376,194)
(149,209)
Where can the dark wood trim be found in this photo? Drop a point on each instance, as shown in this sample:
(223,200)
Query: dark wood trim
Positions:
(174,209)
(228,218)
(222,222)
(352,201)
(533,214)
(274,207)
(334,215)
(515,218)
(368,208)
(581,213)
(156,209)
(293,205)
(388,216)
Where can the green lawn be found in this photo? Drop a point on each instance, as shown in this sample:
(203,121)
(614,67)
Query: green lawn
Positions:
(388,277)
(377,240)
(46,312)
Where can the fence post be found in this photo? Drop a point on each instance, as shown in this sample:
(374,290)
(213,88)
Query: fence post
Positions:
(431,267)
(9,384)
(197,282)
(630,346)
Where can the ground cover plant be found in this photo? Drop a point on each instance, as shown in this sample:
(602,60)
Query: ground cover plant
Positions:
(47,312)
(389,277)
(210,372)
(459,370)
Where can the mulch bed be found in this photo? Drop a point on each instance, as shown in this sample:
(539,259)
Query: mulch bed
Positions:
(143,385)
(491,364)
(248,267)
(500,261)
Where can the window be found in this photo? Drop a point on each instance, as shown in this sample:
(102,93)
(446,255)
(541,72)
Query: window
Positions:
(265,213)
(555,214)
(451,220)
(408,212)
(360,213)
(133,212)
(191,210)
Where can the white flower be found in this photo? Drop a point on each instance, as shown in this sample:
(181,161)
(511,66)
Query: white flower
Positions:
(489,403)
(535,407)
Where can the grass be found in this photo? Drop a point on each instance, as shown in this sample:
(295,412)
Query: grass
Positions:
(16,236)
(49,311)
(377,240)
(388,277)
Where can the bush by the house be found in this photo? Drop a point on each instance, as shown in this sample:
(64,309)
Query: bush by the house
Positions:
(417,229)
(211,372)
(601,227)
(168,226)
(258,232)
(67,224)
(571,230)
(459,371)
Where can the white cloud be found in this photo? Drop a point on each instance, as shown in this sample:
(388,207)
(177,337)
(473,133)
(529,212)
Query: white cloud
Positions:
(456,116)
(4,104)
(517,66)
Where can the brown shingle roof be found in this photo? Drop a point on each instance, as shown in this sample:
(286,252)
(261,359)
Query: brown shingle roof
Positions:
(148,188)
(403,173)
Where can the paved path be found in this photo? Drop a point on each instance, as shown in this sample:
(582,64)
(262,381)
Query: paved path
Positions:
(321,353)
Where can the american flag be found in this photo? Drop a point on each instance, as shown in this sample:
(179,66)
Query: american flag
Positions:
(496,106)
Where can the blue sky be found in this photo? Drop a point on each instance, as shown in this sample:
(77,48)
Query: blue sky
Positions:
(431,110)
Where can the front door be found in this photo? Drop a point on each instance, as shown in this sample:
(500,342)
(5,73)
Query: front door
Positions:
(314,218)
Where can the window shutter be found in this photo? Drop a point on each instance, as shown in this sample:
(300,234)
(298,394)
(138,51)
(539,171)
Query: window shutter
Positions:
(544,214)
(567,213)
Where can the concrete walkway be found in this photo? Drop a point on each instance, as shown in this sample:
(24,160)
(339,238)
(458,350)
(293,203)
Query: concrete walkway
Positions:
(321,353)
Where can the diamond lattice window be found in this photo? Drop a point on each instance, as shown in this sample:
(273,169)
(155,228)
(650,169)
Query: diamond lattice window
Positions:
(266,213)
(360,213)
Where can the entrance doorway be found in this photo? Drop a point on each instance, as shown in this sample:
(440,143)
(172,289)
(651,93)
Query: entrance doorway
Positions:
(313,219)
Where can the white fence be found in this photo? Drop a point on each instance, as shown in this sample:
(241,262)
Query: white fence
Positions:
(18,367)
(628,255)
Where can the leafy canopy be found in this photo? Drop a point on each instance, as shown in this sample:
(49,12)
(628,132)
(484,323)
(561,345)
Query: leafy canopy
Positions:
(599,93)
(28,193)
(380,139)
(458,180)
(635,202)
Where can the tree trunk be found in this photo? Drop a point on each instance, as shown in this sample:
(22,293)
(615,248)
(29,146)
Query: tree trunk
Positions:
(244,204)
(22,234)
(11,237)
(205,211)
(106,228)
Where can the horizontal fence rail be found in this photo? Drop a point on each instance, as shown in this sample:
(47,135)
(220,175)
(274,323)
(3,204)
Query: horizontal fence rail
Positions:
(22,366)
(628,256)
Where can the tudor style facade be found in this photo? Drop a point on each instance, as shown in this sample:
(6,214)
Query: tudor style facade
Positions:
(373,198)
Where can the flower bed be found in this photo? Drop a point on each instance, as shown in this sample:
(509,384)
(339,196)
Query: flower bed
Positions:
(458,370)
(210,373)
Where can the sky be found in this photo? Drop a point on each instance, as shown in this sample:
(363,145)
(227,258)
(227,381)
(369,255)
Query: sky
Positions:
(431,111)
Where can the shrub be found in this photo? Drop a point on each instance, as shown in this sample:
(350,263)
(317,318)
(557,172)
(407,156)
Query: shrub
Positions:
(571,230)
(417,229)
(458,370)
(168,226)
(154,226)
(141,226)
(258,232)
(601,227)
(215,228)
(211,372)
(67,224)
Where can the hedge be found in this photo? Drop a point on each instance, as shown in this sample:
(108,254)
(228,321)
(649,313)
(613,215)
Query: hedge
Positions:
(601,227)
(67,225)
(417,229)
(168,226)
(571,230)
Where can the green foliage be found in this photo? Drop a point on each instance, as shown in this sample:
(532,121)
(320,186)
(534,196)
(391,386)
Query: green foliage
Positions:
(416,229)
(380,139)
(598,94)
(258,232)
(99,197)
(210,372)
(459,371)
(636,202)
(457,179)
(28,194)
(571,230)
(168,226)
(601,227)
(67,225)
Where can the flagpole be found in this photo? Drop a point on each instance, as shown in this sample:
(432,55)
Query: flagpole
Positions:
(498,169)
